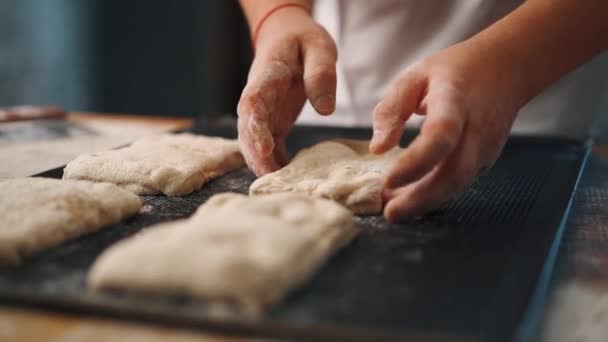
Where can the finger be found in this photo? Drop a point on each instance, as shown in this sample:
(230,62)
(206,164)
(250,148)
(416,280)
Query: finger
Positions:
(269,80)
(395,109)
(320,55)
(259,102)
(260,165)
(420,198)
(281,156)
(438,138)
(453,176)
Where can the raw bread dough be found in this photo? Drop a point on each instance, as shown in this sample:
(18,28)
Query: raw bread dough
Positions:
(38,213)
(341,170)
(234,249)
(174,164)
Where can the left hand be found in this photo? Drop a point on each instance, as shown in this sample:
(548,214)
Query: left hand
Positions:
(470,95)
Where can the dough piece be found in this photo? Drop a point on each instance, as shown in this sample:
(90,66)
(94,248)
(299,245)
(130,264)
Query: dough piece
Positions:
(341,170)
(234,249)
(174,164)
(39,213)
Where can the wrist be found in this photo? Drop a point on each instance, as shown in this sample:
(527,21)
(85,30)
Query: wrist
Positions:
(287,23)
(545,40)
(288,14)
(505,60)
(258,12)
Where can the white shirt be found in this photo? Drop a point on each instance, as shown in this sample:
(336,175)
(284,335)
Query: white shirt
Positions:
(378,39)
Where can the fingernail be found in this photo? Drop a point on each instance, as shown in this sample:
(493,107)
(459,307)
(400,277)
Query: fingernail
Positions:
(324,103)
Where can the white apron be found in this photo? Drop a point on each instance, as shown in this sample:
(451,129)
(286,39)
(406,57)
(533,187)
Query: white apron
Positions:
(377,39)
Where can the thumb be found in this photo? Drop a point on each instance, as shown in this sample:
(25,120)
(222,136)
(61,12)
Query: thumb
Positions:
(394,109)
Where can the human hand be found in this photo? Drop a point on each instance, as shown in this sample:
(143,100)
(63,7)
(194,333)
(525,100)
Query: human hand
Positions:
(470,96)
(295,60)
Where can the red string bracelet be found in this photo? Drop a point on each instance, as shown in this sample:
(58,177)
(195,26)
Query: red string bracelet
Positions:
(271,12)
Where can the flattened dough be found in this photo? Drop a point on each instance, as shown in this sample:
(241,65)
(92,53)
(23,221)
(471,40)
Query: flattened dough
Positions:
(174,164)
(235,249)
(39,213)
(341,170)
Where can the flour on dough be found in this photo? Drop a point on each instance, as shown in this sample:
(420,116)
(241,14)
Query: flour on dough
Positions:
(174,164)
(39,213)
(341,170)
(234,249)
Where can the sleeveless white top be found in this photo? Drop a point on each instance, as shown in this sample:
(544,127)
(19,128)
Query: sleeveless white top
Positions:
(377,39)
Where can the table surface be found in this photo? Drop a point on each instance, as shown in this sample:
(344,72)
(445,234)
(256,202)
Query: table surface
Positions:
(576,308)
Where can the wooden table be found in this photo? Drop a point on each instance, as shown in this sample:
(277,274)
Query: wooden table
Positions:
(31,325)
(23,158)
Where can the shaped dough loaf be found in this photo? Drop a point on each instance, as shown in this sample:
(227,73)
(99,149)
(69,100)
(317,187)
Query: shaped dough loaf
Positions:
(38,213)
(174,164)
(341,170)
(236,249)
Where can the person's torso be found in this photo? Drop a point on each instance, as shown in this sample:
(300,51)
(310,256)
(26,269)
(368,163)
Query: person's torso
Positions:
(377,39)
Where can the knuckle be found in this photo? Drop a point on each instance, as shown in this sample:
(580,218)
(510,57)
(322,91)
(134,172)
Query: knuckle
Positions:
(447,128)
(250,94)
(448,88)
(330,47)
(443,142)
(284,42)
(275,71)
(407,74)
(320,39)
(382,110)
(464,176)
(414,71)
(280,68)
(387,117)
(257,127)
(244,105)
(321,74)
(252,105)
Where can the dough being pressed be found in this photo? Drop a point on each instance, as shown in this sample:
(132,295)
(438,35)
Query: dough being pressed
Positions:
(341,170)
(174,164)
(39,213)
(234,249)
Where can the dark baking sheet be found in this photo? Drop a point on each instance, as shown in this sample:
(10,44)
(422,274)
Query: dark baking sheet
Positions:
(463,273)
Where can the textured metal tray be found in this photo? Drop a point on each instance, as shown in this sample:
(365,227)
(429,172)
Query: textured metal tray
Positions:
(462,273)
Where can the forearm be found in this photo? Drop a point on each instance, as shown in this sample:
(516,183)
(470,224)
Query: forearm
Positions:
(544,39)
(255,9)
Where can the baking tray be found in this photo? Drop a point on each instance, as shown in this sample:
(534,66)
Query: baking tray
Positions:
(465,272)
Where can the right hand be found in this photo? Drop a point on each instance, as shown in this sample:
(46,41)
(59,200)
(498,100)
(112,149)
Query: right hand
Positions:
(295,60)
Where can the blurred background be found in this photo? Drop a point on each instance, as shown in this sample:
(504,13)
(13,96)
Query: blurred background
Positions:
(170,58)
